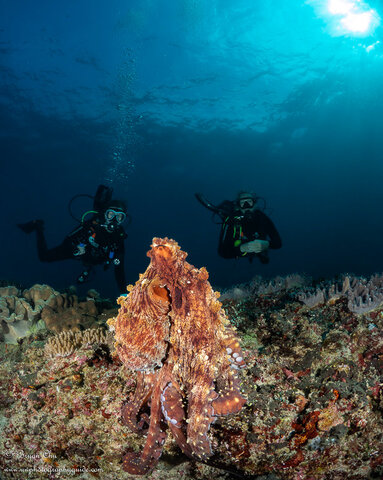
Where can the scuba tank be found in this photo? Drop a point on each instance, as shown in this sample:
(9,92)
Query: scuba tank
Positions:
(102,197)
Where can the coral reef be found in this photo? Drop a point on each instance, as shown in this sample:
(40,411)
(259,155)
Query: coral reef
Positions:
(9,291)
(362,295)
(39,294)
(313,381)
(20,312)
(67,342)
(65,312)
(172,330)
(259,286)
(39,307)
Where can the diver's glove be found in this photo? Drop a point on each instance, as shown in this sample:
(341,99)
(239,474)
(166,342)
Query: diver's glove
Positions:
(256,246)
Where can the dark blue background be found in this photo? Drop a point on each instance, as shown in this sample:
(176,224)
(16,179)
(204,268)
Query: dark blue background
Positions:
(184,107)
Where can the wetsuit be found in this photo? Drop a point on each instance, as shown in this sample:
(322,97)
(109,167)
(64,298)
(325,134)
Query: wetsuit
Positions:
(238,228)
(93,245)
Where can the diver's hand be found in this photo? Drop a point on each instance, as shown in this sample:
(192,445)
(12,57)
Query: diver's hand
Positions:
(256,246)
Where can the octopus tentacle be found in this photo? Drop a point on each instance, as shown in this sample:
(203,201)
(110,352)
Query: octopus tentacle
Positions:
(201,416)
(234,351)
(137,464)
(230,400)
(142,394)
(171,405)
(174,413)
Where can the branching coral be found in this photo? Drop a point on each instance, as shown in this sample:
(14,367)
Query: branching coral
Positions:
(68,342)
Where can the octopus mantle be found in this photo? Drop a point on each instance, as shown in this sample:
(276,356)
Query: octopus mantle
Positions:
(172,330)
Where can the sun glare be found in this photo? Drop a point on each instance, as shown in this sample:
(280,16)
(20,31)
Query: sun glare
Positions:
(340,7)
(358,22)
(348,17)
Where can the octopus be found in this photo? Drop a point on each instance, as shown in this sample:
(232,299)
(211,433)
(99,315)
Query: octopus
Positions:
(172,330)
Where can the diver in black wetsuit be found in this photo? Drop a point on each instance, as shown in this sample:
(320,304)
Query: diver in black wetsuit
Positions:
(98,240)
(246,231)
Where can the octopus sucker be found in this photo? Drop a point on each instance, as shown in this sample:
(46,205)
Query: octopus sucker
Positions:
(171,325)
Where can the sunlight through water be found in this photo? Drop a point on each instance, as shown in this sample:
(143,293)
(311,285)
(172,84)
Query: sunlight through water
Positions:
(348,17)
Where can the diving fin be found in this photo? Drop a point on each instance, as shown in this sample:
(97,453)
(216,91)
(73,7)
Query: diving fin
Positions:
(31,226)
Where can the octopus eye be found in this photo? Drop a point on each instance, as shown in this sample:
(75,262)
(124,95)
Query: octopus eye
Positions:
(161,292)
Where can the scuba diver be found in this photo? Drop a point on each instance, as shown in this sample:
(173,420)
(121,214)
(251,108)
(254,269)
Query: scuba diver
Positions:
(246,231)
(97,240)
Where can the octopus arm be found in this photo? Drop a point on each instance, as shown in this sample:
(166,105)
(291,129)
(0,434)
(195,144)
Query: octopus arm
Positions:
(137,464)
(230,399)
(200,417)
(233,349)
(174,413)
(142,394)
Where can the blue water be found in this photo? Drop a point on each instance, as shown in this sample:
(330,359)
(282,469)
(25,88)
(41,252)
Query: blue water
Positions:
(160,99)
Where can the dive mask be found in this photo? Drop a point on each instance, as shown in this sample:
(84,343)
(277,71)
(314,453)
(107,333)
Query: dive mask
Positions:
(114,215)
(246,203)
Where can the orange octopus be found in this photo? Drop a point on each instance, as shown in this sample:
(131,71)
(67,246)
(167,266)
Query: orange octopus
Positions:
(172,330)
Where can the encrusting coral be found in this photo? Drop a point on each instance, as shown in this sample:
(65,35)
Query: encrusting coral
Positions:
(172,330)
